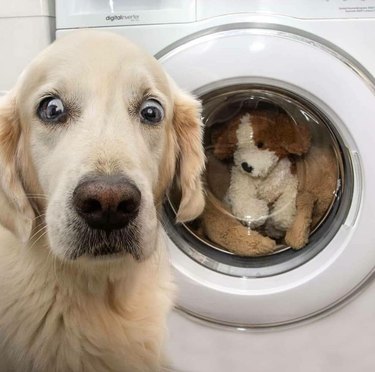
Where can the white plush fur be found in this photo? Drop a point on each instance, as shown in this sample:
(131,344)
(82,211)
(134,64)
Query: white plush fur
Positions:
(270,183)
(105,313)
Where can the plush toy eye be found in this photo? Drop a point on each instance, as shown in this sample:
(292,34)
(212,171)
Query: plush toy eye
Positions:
(260,145)
(52,110)
(151,112)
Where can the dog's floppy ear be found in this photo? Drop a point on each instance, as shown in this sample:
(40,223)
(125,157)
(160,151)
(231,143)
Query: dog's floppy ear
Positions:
(16,213)
(191,159)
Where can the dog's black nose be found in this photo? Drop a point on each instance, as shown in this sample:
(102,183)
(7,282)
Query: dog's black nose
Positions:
(246,167)
(107,202)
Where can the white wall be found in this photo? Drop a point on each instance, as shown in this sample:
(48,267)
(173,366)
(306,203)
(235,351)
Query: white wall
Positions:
(26,27)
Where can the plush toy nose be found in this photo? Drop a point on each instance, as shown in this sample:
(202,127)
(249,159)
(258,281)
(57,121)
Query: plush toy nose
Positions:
(246,167)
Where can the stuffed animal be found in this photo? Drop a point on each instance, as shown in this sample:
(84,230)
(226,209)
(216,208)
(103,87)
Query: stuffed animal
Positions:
(317,185)
(220,226)
(270,145)
(265,147)
(263,185)
(217,221)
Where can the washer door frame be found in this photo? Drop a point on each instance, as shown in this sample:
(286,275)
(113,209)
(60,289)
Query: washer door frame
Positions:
(286,60)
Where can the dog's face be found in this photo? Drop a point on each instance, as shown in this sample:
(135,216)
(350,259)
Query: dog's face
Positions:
(257,141)
(97,129)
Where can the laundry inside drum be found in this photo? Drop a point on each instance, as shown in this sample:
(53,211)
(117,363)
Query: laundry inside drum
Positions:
(274,174)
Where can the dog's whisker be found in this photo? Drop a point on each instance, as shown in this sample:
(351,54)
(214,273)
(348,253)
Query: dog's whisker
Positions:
(37,197)
(39,238)
(38,217)
(37,232)
(169,369)
(54,267)
(53,259)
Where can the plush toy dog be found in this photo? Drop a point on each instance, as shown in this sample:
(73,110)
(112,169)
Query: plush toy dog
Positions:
(262,157)
(263,185)
(265,147)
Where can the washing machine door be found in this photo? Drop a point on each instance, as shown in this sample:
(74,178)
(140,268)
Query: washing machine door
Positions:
(235,71)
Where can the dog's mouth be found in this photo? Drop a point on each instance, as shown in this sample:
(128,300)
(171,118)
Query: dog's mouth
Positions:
(106,244)
(107,209)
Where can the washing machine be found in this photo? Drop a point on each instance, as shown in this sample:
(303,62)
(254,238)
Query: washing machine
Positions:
(313,61)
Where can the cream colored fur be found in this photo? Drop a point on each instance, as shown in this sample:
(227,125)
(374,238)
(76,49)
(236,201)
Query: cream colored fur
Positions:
(89,314)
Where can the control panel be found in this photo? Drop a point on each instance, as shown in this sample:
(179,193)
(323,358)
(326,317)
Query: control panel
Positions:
(99,13)
(303,9)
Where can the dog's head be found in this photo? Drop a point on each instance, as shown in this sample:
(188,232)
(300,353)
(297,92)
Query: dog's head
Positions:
(90,139)
(257,141)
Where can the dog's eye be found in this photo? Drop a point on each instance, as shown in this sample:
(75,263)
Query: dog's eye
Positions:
(52,110)
(151,112)
(260,145)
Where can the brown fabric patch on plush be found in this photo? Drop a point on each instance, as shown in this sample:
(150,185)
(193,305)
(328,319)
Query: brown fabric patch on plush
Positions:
(277,132)
(225,139)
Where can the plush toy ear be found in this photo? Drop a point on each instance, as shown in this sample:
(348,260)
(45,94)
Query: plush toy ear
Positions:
(224,139)
(298,138)
(16,213)
(191,159)
(303,140)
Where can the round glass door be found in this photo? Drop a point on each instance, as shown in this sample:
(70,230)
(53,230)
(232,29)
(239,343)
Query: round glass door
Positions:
(267,209)
(285,232)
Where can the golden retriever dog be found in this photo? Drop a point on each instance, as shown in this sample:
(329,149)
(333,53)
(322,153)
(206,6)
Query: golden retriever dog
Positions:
(91,137)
